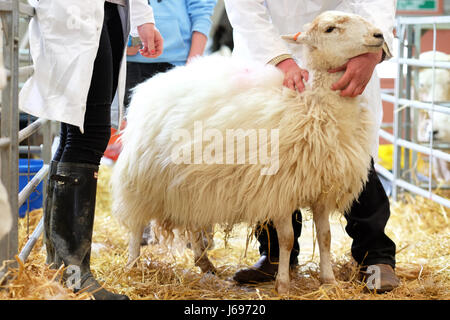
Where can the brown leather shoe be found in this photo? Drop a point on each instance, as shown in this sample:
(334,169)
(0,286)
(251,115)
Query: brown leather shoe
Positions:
(262,271)
(380,278)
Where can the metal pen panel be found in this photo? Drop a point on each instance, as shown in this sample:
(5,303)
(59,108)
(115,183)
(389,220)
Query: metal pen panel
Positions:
(408,34)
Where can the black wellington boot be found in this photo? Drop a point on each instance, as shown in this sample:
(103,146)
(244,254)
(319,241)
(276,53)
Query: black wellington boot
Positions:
(47,215)
(71,225)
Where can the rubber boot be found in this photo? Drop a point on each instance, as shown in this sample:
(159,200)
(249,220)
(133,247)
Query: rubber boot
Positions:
(47,215)
(71,225)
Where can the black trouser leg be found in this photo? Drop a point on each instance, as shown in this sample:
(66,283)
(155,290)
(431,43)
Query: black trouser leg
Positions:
(268,239)
(79,154)
(139,72)
(366,221)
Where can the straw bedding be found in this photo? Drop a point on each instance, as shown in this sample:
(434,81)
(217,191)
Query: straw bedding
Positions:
(419,227)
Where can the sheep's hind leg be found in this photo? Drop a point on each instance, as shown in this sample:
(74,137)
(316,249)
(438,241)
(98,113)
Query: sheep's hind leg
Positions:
(134,245)
(321,220)
(285,234)
(200,247)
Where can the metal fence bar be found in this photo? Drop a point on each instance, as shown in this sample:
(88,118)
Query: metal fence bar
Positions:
(396,167)
(15,6)
(406,110)
(11,136)
(25,252)
(424,193)
(5,142)
(9,11)
(433,86)
(403,102)
(414,146)
(423,20)
(23,71)
(31,129)
(422,63)
(384,172)
(416,104)
(32,184)
(31,149)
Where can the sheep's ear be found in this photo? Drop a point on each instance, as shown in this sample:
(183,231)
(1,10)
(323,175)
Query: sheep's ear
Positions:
(299,37)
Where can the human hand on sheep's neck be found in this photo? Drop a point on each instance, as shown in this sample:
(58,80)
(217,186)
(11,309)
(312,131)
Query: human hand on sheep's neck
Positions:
(357,73)
(293,75)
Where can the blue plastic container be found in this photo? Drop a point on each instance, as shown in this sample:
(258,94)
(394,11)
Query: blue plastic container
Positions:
(35,200)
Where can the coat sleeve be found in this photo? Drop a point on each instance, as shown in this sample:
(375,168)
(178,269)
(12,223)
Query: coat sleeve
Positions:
(140,12)
(200,12)
(250,19)
(382,14)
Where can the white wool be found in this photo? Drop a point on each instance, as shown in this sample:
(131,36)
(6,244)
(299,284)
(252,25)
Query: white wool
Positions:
(323,153)
(5,212)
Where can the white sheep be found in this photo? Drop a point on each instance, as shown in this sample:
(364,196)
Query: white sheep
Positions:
(173,167)
(5,210)
(436,124)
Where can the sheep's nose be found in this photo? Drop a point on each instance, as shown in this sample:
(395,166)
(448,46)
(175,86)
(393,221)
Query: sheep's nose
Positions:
(378,36)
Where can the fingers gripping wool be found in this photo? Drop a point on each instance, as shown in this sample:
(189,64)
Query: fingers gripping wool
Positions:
(222,141)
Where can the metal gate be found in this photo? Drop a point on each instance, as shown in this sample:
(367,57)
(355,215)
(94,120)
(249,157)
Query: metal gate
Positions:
(407,106)
(15,16)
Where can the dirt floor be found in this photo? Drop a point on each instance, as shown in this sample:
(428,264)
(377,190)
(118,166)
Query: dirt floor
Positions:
(419,227)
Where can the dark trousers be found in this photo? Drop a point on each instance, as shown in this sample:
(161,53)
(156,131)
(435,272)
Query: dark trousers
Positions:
(366,221)
(139,72)
(88,147)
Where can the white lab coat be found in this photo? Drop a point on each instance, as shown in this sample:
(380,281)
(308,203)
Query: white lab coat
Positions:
(258,24)
(64,40)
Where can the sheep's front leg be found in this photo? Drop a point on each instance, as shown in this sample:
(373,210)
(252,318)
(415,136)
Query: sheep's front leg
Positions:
(321,220)
(200,247)
(134,245)
(285,234)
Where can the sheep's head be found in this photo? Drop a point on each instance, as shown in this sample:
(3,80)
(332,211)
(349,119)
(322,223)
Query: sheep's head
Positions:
(333,37)
(441,78)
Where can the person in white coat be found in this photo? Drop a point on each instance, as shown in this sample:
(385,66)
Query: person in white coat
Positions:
(257,26)
(78,50)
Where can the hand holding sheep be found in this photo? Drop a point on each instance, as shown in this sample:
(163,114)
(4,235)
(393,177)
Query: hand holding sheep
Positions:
(358,71)
(293,75)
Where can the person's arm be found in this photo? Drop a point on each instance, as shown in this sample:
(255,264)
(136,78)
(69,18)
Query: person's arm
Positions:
(200,12)
(143,21)
(251,19)
(359,70)
(198,44)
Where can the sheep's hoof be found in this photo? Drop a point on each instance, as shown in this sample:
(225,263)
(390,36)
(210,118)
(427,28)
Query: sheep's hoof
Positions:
(131,264)
(206,266)
(327,280)
(281,287)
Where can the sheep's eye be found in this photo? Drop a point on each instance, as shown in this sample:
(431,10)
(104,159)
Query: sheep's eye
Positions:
(330,29)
